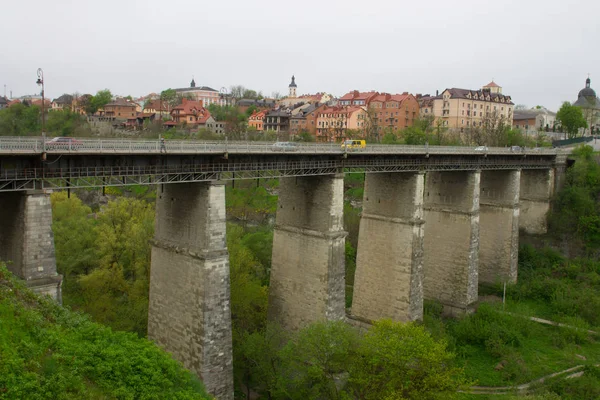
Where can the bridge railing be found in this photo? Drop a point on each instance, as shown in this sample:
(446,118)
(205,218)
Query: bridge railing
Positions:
(141,146)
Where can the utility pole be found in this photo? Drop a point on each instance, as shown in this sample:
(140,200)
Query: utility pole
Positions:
(40,81)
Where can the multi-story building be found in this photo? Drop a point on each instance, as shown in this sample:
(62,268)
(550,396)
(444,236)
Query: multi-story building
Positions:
(465,108)
(3,102)
(356,98)
(257,120)
(590,105)
(333,123)
(189,113)
(204,94)
(120,109)
(393,111)
(305,119)
(278,121)
(158,107)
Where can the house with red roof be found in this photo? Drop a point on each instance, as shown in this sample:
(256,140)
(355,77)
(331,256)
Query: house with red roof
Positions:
(356,98)
(392,112)
(190,114)
(257,120)
(333,123)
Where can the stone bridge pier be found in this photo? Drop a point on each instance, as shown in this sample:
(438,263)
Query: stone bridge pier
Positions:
(307,268)
(499,226)
(537,188)
(189,309)
(389,263)
(27,241)
(451,244)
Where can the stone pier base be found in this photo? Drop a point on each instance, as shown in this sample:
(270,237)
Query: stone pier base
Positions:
(499,226)
(27,241)
(451,245)
(307,268)
(389,263)
(189,310)
(537,188)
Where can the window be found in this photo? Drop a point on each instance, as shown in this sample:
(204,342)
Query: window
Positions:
(462,121)
(463,112)
(474,105)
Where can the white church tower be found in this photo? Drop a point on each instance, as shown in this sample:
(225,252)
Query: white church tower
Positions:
(293,88)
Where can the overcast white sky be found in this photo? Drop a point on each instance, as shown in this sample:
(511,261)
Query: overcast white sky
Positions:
(540,52)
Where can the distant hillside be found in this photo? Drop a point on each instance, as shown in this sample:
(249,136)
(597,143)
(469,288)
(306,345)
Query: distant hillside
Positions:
(49,352)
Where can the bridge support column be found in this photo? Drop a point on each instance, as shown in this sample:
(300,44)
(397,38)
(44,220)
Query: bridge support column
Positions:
(537,188)
(27,241)
(389,263)
(189,310)
(451,244)
(499,226)
(307,269)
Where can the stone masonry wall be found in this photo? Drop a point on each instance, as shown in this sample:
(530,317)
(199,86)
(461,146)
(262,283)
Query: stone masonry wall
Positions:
(189,310)
(499,226)
(27,240)
(537,188)
(307,268)
(389,265)
(451,245)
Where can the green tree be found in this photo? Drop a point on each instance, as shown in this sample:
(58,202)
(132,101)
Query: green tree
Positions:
(414,135)
(389,138)
(20,119)
(571,119)
(99,100)
(314,360)
(402,361)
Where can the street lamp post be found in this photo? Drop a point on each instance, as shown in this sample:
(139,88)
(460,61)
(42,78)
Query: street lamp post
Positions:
(40,81)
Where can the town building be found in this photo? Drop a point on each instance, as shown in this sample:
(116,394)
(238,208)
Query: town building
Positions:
(333,123)
(392,112)
(204,94)
(189,114)
(3,102)
(278,121)
(292,88)
(257,120)
(465,108)
(119,109)
(356,98)
(532,121)
(304,119)
(158,107)
(262,104)
(590,105)
(64,102)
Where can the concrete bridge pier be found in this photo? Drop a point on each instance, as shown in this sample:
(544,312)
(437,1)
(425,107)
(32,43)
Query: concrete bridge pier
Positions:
(27,241)
(189,310)
(451,245)
(537,188)
(389,263)
(307,268)
(499,226)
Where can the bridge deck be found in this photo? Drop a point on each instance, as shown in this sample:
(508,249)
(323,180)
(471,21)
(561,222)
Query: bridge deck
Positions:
(30,163)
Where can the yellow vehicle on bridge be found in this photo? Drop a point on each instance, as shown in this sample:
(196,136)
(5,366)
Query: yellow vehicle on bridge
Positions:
(354,144)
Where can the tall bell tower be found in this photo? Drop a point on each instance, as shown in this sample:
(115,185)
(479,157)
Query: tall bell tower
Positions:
(293,87)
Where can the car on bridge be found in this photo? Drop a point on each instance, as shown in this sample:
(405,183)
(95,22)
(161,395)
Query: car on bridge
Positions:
(63,143)
(285,146)
(354,144)
(481,148)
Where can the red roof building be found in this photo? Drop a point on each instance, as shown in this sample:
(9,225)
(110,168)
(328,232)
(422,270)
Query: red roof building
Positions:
(257,120)
(190,113)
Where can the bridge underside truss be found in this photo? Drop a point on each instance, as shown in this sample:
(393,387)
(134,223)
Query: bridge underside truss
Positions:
(89,177)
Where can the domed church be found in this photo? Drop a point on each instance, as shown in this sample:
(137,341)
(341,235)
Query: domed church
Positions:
(590,104)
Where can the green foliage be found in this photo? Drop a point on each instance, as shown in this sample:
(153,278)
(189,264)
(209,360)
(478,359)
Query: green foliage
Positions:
(574,214)
(584,387)
(19,120)
(105,260)
(390,138)
(63,123)
(50,352)
(99,100)
(569,288)
(305,136)
(414,135)
(571,118)
(248,203)
(235,121)
(403,361)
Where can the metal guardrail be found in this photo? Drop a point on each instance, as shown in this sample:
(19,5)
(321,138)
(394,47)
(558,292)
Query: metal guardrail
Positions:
(35,145)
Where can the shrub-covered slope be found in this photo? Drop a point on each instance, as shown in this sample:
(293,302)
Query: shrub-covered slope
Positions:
(49,352)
